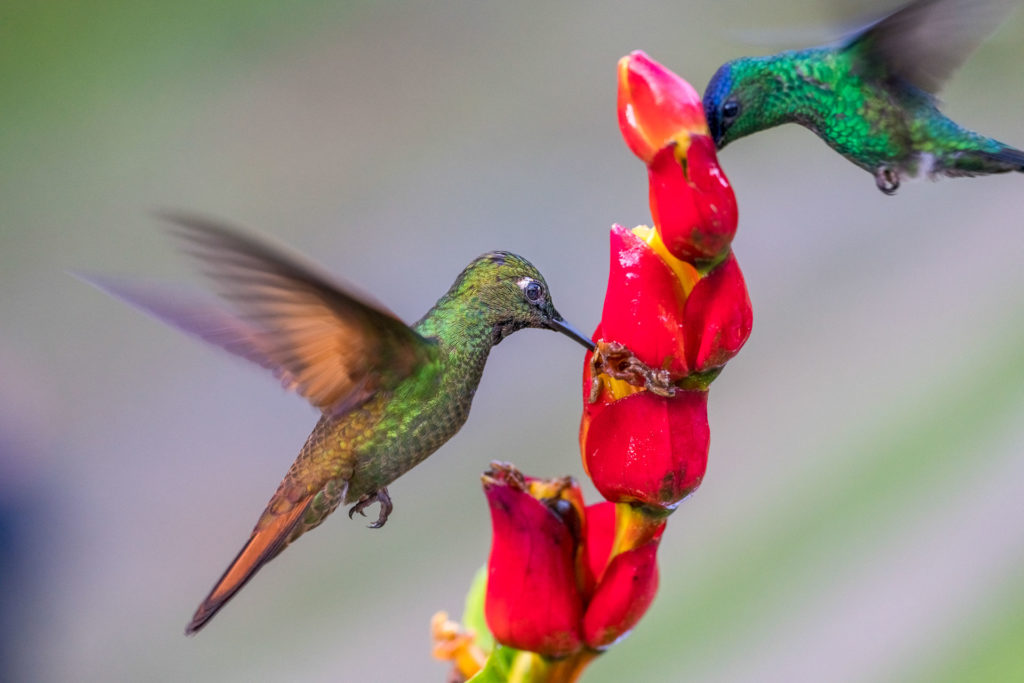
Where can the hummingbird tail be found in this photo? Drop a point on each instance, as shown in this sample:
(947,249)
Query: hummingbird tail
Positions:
(264,544)
(975,162)
(1012,157)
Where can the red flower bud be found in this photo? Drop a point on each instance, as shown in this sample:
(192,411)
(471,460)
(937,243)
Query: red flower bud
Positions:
(622,597)
(718,317)
(550,556)
(532,600)
(647,448)
(643,307)
(693,206)
(655,105)
(662,119)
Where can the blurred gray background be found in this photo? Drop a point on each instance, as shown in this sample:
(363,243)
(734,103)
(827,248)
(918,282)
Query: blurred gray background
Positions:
(861,519)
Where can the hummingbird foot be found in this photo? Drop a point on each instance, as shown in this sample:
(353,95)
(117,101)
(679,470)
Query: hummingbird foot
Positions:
(369,499)
(887,179)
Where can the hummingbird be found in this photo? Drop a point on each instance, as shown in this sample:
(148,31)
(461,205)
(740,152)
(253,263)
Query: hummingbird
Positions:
(872,97)
(390,394)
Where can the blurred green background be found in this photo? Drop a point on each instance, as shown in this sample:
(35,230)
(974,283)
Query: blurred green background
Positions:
(861,519)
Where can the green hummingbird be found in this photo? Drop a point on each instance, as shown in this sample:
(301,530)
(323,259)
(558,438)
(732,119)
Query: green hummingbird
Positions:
(872,98)
(390,394)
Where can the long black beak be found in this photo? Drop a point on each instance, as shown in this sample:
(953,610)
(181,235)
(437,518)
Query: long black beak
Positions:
(559,324)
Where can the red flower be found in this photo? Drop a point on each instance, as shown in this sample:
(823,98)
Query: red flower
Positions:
(551,588)
(655,105)
(565,581)
(644,433)
(532,599)
(643,306)
(718,317)
(641,443)
(662,120)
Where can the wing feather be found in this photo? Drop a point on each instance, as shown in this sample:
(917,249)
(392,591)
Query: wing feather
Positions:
(925,41)
(328,344)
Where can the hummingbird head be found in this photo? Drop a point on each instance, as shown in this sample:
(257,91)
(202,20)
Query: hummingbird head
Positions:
(715,95)
(511,294)
(751,94)
(734,101)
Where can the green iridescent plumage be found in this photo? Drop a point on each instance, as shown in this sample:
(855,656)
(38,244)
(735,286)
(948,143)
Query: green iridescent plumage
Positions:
(872,98)
(390,394)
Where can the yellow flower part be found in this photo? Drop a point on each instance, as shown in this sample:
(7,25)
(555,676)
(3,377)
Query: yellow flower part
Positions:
(454,644)
(687,274)
(617,388)
(634,527)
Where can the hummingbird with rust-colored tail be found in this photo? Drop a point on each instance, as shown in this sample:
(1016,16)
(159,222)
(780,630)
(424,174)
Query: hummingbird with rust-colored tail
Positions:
(872,98)
(390,394)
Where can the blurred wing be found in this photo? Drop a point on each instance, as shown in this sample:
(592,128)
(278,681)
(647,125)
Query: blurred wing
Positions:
(326,344)
(187,313)
(926,41)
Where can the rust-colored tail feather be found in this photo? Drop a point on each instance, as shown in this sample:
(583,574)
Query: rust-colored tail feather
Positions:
(262,546)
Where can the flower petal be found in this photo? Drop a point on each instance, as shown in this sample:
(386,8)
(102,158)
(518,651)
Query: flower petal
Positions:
(622,597)
(532,599)
(649,449)
(655,105)
(718,202)
(692,204)
(600,537)
(643,305)
(718,317)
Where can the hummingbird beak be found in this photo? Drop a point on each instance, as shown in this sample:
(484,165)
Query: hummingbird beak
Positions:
(559,324)
(714,125)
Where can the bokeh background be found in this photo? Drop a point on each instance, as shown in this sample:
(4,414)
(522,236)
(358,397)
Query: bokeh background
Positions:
(862,516)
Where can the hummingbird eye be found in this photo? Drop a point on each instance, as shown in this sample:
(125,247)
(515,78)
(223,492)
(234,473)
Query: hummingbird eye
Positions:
(730,110)
(533,290)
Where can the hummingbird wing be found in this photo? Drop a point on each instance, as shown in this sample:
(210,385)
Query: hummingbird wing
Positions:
(925,41)
(328,344)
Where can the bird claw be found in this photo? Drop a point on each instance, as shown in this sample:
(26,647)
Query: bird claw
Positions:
(369,499)
(887,179)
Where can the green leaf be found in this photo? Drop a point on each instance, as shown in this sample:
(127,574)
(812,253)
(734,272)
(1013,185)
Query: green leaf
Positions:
(498,666)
